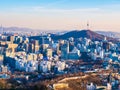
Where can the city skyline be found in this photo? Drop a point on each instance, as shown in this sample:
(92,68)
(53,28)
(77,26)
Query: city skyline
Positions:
(60,44)
(61,14)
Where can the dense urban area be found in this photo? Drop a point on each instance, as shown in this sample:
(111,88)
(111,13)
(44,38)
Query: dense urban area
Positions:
(76,60)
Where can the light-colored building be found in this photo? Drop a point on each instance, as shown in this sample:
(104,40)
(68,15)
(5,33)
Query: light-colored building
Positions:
(1,59)
(3,68)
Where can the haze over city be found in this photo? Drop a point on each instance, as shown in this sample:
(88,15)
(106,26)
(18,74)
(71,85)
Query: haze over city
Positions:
(61,14)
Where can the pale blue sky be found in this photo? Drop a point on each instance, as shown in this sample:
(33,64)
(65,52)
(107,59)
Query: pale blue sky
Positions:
(61,14)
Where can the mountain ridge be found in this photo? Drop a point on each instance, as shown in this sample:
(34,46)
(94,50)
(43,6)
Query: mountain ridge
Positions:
(82,33)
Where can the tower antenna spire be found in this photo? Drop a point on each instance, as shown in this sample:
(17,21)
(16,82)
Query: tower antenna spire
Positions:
(87,25)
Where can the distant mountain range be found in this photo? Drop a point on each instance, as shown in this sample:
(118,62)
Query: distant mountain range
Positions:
(98,35)
(19,30)
(110,34)
(15,29)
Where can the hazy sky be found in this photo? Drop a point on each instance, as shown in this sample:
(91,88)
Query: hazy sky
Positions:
(61,14)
